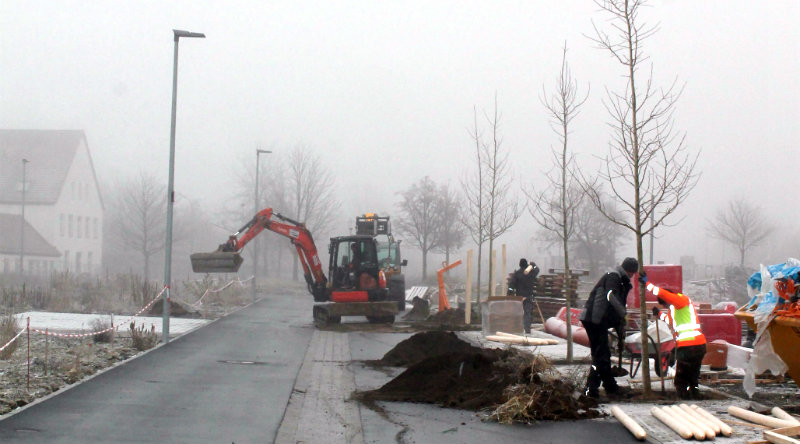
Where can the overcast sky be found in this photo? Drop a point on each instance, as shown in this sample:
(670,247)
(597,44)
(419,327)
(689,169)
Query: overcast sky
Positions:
(384,93)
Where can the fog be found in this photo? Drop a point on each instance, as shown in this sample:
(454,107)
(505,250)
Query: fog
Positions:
(384,92)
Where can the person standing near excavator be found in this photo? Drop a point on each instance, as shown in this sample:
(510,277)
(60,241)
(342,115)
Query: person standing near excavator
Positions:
(690,340)
(605,309)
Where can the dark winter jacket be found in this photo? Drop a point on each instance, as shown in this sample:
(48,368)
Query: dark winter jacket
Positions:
(606,304)
(523,284)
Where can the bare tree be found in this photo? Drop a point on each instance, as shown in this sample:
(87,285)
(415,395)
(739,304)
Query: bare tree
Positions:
(503,208)
(492,210)
(421,219)
(554,207)
(453,232)
(741,224)
(139,215)
(475,217)
(310,192)
(648,169)
(595,237)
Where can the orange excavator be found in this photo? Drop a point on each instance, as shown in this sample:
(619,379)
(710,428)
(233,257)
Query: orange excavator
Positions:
(358,286)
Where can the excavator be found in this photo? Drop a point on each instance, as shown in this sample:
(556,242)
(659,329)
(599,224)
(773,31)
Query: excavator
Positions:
(389,258)
(357,287)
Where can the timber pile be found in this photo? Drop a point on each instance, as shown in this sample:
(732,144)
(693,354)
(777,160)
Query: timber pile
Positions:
(552,286)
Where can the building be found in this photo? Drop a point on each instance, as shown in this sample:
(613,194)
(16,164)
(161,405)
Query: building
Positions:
(63,204)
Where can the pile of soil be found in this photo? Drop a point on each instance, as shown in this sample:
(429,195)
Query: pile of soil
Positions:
(465,380)
(420,311)
(452,373)
(422,346)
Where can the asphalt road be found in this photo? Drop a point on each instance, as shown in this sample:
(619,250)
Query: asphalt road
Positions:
(260,375)
(199,388)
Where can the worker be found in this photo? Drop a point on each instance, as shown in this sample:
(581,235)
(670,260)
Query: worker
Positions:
(691,342)
(523,282)
(604,309)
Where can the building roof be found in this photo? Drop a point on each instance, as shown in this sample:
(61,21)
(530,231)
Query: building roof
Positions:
(35,244)
(49,153)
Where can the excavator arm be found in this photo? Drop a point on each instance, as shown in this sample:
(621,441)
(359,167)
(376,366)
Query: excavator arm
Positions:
(226,259)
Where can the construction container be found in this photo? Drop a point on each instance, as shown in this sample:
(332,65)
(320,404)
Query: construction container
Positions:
(784,332)
(502,314)
(666,276)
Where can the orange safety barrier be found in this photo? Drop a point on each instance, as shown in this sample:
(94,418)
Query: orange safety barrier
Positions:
(443,302)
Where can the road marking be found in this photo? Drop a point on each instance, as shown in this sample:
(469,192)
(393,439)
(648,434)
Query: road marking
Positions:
(320,409)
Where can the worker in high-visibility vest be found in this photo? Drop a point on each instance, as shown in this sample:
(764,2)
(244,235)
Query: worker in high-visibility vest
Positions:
(688,335)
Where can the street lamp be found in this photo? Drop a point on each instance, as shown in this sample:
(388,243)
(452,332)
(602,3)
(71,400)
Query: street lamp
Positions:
(257,209)
(170,188)
(22,223)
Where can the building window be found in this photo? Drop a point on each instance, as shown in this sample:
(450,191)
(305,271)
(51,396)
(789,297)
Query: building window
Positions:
(78,262)
(66,260)
(70,226)
(86,228)
(89,262)
(61,224)
(80,227)
(95,228)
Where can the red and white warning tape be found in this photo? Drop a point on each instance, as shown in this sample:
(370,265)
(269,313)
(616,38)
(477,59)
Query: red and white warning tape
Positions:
(15,338)
(115,327)
(208,290)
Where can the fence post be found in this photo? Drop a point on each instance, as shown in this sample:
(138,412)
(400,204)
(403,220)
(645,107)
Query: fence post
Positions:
(46,350)
(29,353)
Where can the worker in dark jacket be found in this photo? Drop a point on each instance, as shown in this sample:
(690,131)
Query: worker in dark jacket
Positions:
(605,309)
(523,282)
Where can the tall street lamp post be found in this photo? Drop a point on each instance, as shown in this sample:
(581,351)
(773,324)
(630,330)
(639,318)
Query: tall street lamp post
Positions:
(22,222)
(170,188)
(257,209)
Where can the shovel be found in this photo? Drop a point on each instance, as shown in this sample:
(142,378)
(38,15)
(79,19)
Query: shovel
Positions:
(618,371)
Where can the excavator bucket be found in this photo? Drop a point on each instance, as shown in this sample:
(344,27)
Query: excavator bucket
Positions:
(216,262)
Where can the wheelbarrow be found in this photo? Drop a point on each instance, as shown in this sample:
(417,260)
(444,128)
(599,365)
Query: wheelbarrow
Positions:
(663,354)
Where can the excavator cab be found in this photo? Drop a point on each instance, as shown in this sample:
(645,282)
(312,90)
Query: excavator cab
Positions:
(354,263)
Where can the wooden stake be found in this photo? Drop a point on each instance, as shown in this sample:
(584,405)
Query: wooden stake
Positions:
(758,418)
(697,431)
(671,422)
(725,429)
(504,283)
(782,414)
(468,294)
(629,423)
(707,429)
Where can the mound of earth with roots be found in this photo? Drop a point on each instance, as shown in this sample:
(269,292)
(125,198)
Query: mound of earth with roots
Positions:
(450,316)
(424,345)
(515,385)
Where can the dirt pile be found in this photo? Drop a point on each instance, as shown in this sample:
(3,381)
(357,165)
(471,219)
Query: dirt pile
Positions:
(422,346)
(515,385)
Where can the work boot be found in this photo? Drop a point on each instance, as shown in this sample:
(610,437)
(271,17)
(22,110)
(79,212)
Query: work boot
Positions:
(591,393)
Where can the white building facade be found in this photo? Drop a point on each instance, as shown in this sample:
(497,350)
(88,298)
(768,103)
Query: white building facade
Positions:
(63,202)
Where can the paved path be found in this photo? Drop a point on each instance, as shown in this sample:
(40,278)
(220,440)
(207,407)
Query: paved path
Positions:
(227,382)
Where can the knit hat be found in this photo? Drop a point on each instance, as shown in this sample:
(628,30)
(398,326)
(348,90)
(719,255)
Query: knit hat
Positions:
(630,265)
(523,263)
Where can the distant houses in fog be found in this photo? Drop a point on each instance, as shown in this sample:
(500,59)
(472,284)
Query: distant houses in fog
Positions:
(63,226)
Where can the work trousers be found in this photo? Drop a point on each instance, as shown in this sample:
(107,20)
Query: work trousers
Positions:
(527,313)
(687,370)
(601,359)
